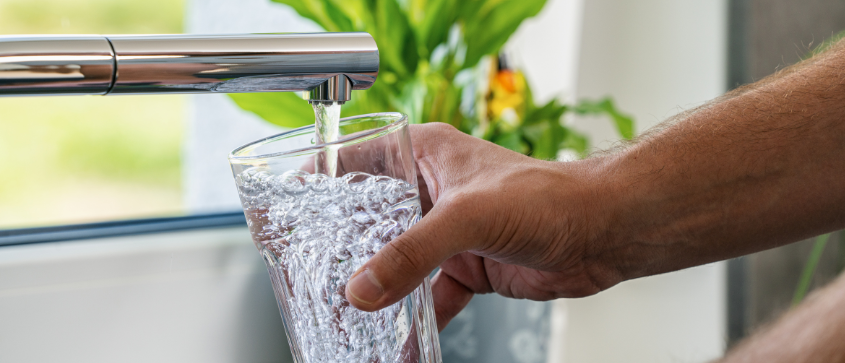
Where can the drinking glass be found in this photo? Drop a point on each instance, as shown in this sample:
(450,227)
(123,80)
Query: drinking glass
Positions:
(314,231)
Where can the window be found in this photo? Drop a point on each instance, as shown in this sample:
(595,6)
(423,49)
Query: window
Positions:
(90,158)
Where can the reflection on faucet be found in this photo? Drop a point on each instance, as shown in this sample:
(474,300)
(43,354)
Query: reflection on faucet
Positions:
(329,65)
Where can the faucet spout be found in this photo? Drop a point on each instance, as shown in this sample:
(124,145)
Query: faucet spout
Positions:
(327,65)
(337,89)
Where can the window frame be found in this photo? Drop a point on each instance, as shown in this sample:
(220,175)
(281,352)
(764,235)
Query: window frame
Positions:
(72,232)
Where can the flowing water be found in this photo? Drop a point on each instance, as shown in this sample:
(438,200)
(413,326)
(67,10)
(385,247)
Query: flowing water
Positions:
(327,124)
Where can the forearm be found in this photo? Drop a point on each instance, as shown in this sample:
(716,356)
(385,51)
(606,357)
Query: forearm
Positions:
(813,332)
(761,167)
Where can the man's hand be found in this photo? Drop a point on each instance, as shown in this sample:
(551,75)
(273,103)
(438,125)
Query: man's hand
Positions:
(759,168)
(496,221)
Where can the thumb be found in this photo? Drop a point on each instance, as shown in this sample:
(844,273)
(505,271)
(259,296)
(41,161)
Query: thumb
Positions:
(401,265)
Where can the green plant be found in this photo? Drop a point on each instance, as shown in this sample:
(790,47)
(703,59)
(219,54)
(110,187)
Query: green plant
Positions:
(435,58)
(810,269)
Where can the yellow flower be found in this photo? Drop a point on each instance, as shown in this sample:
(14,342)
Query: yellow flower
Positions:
(506,99)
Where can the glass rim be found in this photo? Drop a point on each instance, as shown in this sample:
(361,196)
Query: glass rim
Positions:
(400,120)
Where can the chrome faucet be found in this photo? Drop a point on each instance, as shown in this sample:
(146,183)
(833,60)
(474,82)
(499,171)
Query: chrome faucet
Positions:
(327,65)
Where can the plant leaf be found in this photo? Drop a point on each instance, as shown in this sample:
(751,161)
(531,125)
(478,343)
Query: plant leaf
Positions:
(547,146)
(550,111)
(323,12)
(286,109)
(432,20)
(624,123)
(383,19)
(513,141)
(397,42)
(375,99)
(302,8)
(577,142)
(489,24)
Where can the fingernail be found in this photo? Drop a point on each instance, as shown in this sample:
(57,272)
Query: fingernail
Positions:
(364,288)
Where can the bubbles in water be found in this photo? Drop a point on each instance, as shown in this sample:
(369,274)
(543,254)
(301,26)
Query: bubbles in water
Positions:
(315,231)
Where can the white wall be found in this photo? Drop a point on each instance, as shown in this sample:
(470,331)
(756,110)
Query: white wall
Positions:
(655,57)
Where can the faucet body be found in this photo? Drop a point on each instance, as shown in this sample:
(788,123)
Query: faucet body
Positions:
(327,65)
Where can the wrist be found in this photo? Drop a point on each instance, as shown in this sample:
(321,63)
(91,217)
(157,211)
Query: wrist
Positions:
(632,233)
(591,202)
(659,214)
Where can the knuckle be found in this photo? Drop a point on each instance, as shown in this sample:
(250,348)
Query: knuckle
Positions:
(440,127)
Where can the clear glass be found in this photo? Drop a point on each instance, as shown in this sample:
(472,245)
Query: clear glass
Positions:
(314,231)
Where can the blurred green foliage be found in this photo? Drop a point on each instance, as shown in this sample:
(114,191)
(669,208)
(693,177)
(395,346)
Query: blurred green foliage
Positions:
(435,58)
(135,138)
(89,158)
(90,16)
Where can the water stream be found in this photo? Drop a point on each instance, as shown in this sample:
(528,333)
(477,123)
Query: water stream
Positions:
(327,118)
